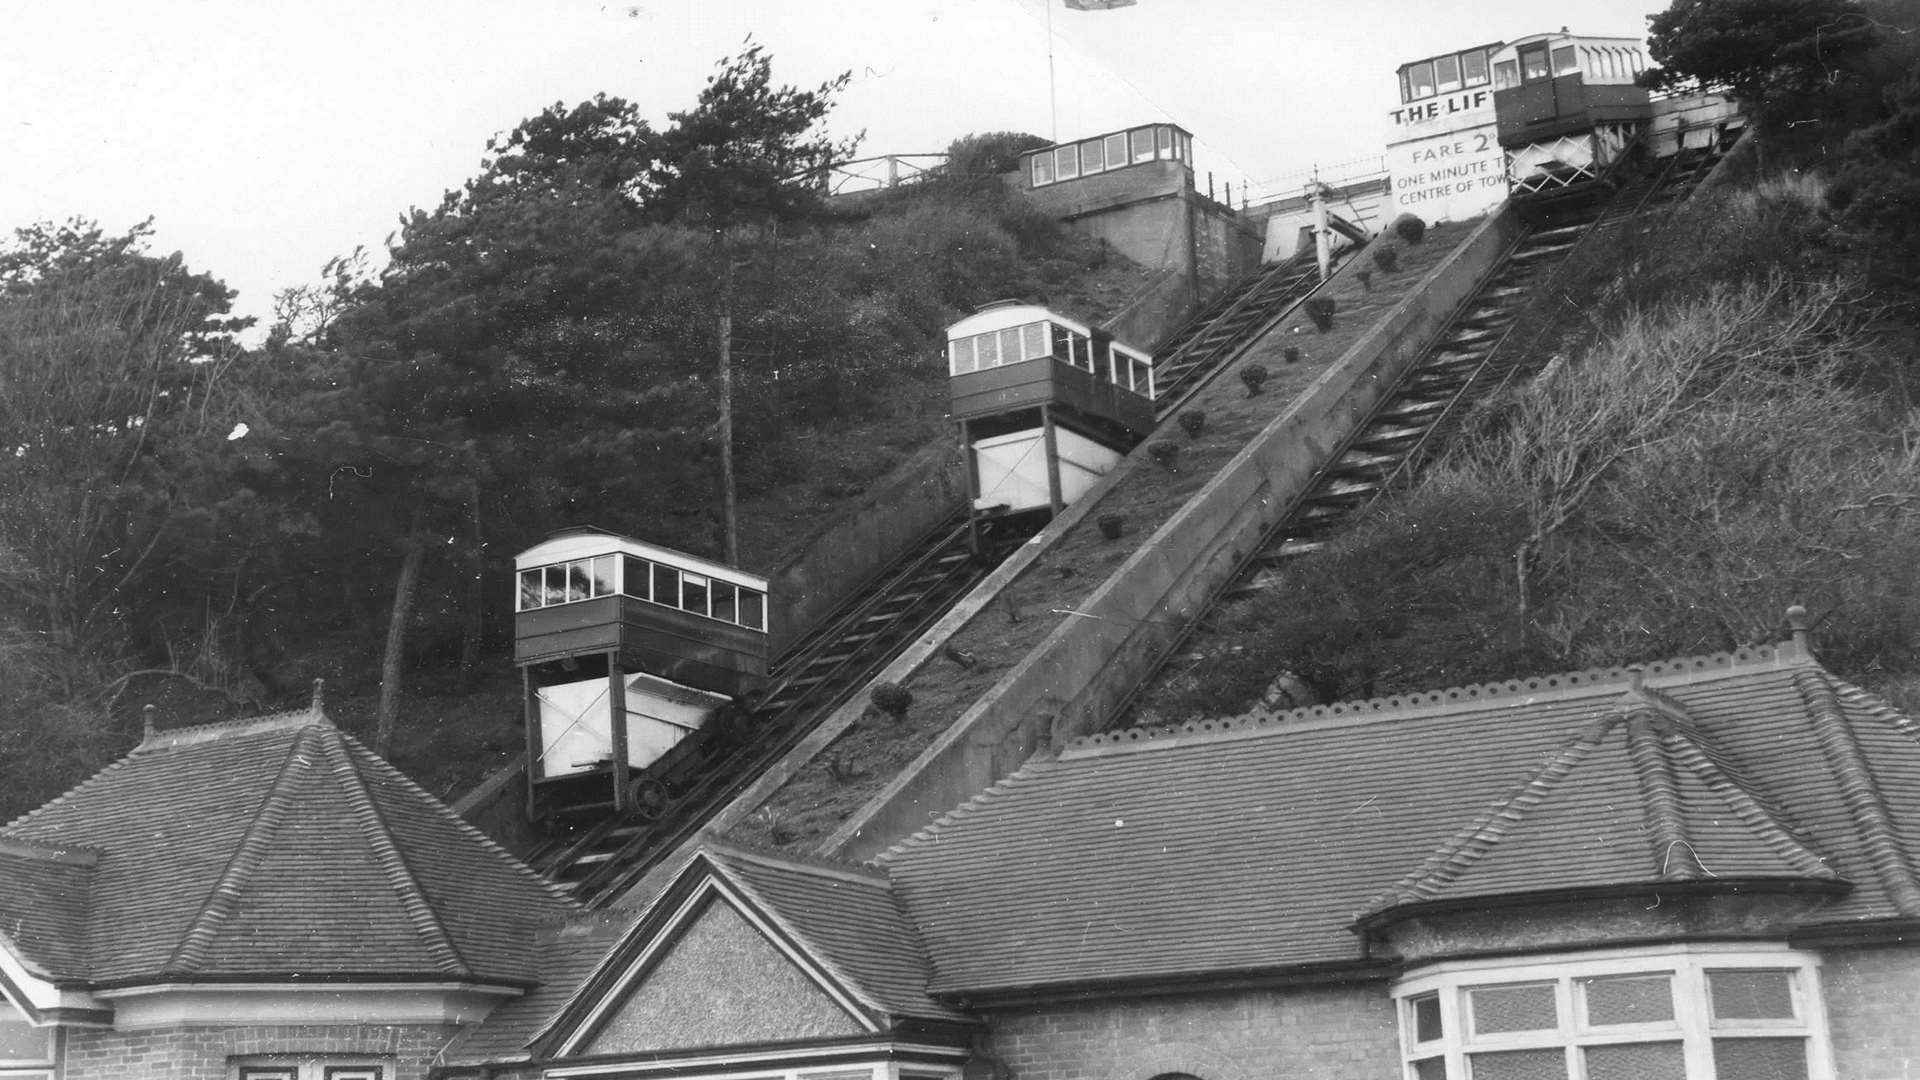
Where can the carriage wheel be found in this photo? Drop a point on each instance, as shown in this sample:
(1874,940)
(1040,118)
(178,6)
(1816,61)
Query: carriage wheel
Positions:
(648,797)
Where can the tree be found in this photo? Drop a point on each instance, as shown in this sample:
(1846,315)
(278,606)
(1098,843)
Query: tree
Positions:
(1755,48)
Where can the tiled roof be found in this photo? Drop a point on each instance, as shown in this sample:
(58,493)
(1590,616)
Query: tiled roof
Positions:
(1253,843)
(567,952)
(848,919)
(280,847)
(43,891)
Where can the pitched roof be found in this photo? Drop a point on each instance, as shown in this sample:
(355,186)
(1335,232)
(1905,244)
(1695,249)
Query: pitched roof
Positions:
(848,919)
(43,891)
(1253,843)
(277,847)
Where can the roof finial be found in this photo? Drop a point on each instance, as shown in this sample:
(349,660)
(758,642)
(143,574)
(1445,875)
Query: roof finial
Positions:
(146,721)
(1802,627)
(319,697)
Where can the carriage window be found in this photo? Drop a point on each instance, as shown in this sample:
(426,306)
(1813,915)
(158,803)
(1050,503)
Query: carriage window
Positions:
(530,593)
(1420,80)
(962,358)
(1565,60)
(753,610)
(1506,74)
(1042,169)
(637,578)
(725,606)
(1142,145)
(1066,162)
(1163,138)
(693,593)
(1010,345)
(1062,343)
(603,576)
(1093,157)
(1446,73)
(666,585)
(1033,340)
(1533,63)
(1116,150)
(1473,66)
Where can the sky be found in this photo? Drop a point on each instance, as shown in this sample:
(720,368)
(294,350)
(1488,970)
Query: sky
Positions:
(265,138)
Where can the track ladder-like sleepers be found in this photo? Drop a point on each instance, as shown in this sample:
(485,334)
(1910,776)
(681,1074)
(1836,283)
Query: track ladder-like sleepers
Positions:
(816,675)
(1472,358)
(1184,359)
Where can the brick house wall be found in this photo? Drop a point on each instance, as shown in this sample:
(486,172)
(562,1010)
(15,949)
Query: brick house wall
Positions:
(1873,1000)
(205,1053)
(1340,1031)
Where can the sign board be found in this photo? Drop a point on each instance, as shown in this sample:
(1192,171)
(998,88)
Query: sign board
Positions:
(1445,157)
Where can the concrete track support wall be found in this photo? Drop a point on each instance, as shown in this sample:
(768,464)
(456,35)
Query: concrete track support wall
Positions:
(1088,665)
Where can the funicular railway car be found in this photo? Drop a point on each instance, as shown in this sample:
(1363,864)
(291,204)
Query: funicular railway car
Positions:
(1566,108)
(633,658)
(1045,405)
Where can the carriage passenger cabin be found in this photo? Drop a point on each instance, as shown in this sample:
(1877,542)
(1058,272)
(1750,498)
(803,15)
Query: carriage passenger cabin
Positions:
(1566,108)
(629,651)
(1046,405)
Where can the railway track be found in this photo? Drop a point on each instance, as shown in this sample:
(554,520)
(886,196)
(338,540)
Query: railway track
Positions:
(821,671)
(1483,348)
(816,675)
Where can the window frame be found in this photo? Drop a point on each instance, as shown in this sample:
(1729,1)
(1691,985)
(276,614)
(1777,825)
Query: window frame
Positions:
(1692,1024)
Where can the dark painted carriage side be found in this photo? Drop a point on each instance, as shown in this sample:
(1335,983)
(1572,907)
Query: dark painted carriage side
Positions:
(630,653)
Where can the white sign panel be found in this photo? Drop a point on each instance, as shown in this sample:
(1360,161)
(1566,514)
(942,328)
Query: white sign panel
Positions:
(1445,157)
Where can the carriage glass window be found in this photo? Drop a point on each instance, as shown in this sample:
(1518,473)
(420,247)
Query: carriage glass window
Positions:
(1506,74)
(726,605)
(1042,169)
(666,585)
(1033,340)
(1163,138)
(1142,144)
(1420,80)
(1093,157)
(1533,63)
(637,578)
(693,593)
(1566,60)
(753,610)
(961,359)
(1446,73)
(1473,67)
(1116,150)
(1066,162)
(1009,345)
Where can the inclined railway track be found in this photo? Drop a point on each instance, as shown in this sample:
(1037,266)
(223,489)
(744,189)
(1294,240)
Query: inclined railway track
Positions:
(1483,348)
(814,676)
(824,669)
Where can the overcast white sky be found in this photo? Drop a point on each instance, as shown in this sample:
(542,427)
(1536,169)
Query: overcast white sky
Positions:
(266,137)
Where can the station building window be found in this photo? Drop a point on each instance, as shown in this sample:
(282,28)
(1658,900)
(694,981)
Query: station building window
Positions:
(1443,75)
(1116,150)
(1643,1015)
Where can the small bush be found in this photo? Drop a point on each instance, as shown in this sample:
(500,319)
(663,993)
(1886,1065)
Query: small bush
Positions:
(1292,353)
(1165,453)
(1409,228)
(1254,376)
(1320,310)
(1386,258)
(1193,422)
(891,698)
(1366,279)
(1112,525)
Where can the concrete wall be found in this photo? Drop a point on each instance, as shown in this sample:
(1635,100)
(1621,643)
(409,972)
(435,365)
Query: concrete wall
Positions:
(1086,667)
(850,550)
(1336,1032)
